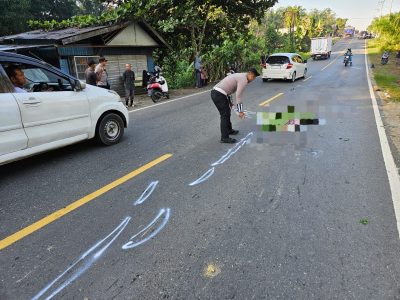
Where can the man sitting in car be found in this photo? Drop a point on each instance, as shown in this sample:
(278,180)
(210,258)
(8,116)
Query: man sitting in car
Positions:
(17,78)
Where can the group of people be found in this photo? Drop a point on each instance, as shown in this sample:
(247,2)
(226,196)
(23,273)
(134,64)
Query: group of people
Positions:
(98,76)
(220,94)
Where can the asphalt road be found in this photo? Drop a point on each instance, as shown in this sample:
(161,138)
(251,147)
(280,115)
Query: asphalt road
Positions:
(278,219)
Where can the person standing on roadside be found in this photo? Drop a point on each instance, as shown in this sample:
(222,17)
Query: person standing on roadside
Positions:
(234,83)
(129,83)
(90,74)
(101,73)
(197,67)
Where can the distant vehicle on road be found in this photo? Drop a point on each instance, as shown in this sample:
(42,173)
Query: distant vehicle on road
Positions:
(364,35)
(321,48)
(349,32)
(51,109)
(286,66)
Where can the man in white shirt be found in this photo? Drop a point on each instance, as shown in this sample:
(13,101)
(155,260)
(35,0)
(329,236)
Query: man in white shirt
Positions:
(17,78)
(235,83)
(101,72)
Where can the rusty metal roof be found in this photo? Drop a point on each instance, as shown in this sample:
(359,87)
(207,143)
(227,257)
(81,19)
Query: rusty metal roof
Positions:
(71,35)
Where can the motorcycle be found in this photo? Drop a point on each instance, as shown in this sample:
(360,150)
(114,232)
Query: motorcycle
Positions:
(157,86)
(346,60)
(385,58)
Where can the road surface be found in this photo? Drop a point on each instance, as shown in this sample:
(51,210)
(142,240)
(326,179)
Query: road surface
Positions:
(282,216)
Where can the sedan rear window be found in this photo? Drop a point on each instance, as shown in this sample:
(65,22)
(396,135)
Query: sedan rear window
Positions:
(278,60)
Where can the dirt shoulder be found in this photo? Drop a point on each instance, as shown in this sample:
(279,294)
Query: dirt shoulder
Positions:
(386,83)
(143,100)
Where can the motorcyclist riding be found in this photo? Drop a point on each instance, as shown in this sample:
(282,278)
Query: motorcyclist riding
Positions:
(350,54)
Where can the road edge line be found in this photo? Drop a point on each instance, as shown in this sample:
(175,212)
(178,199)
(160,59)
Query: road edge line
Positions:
(170,101)
(391,168)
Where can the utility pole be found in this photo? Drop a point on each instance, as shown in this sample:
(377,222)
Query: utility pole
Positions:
(381,3)
(391,6)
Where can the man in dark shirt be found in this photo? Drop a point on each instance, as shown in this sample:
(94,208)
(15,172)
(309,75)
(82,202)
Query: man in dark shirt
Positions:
(129,83)
(90,75)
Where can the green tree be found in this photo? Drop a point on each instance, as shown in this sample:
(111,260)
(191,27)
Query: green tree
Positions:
(340,25)
(52,9)
(387,30)
(13,15)
(292,16)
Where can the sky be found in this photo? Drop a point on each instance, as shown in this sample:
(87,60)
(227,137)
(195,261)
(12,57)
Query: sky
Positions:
(360,13)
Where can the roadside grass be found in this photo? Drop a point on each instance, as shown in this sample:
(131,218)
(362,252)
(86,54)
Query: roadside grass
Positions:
(387,77)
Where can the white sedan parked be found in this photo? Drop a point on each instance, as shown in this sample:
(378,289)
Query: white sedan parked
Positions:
(42,108)
(287,66)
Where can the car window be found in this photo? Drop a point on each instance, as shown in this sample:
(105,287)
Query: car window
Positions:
(299,59)
(294,59)
(37,79)
(278,60)
(5,83)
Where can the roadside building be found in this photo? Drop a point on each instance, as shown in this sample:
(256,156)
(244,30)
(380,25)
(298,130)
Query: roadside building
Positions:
(70,49)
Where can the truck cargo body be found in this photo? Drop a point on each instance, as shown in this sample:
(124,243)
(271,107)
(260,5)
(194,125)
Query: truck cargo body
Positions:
(321,48)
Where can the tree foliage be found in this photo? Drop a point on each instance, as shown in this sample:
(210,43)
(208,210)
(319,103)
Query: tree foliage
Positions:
(15,14)
(387,30)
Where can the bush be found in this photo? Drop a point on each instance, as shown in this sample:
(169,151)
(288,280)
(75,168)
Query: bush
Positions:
(179,74)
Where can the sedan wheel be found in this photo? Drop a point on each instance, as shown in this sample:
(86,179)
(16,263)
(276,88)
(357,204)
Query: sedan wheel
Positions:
(305,73)
(293,77)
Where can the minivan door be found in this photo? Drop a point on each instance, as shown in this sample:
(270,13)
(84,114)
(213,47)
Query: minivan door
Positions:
(12,134)
(51,109)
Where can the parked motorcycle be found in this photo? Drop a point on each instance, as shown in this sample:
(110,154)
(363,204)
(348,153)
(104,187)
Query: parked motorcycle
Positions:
(157,87)
(385,58)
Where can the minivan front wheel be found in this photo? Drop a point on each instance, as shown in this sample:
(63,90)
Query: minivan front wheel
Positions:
(110,129)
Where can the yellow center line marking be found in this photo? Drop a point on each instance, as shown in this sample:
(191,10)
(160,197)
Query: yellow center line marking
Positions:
(336,58)
(78,203)
(270,99)
(307,78)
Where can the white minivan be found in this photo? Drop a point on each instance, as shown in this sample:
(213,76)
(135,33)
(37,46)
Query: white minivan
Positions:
(52,110)
(286,66)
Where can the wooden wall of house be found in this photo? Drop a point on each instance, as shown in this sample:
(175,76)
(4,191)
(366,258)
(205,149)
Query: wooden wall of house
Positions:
(117,58)
(116,67)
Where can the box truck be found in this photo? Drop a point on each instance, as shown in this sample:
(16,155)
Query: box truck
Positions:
(349,32)
(321,47)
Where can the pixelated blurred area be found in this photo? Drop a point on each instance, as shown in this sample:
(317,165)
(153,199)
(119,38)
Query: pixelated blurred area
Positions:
(290,121)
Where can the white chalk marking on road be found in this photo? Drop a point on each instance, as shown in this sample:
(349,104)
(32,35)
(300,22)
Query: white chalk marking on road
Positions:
(169,101)
(224,158)
(391,169)
(233,150)
(203,177)
(146,194)
(86,260)
(304,80)
(166,212)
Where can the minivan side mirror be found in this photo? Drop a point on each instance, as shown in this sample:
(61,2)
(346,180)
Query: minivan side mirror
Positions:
(79,85)
(305,61)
